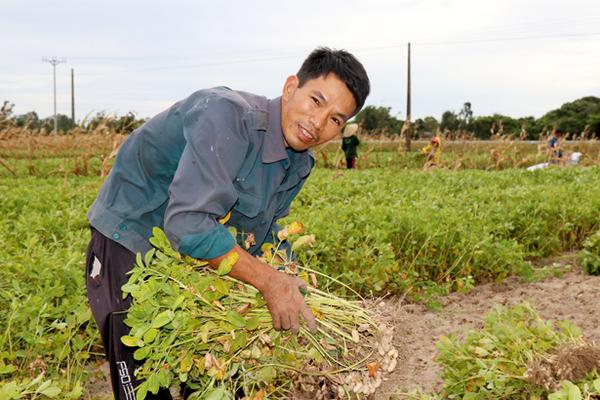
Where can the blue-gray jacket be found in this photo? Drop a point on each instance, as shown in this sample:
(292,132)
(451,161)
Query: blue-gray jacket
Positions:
(217,151)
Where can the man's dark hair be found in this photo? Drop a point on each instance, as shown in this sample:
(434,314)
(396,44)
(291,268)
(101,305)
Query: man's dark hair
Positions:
(324,61)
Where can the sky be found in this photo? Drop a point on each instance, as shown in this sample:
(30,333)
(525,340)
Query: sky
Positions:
(513,57)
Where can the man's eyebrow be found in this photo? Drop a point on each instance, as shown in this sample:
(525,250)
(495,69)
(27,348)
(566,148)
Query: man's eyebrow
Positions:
(321,96)
(324,100)
(342,115)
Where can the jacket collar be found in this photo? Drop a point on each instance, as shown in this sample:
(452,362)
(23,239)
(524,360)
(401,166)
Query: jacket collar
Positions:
(274,149)
(274,146)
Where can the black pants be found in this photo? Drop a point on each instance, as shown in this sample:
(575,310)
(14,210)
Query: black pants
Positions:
(107,264)
(350,162)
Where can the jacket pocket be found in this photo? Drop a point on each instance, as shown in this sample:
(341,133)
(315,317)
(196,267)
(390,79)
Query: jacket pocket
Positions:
(248,202)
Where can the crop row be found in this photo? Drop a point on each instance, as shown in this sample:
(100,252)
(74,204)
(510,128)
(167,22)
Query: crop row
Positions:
(378,231)
(92,155)
(391,231)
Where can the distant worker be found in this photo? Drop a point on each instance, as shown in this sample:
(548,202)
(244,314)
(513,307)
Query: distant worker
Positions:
(349,144)
(432,153)
(555,152)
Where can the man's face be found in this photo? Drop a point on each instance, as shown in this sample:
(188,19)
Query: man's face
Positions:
(316,112)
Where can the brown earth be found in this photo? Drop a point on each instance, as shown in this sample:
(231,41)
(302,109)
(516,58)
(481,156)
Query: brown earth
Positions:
(571,296)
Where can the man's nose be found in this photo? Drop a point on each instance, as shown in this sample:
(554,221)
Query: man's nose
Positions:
(318,120)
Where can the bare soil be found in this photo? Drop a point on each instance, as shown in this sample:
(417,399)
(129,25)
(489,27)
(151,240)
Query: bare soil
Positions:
(572,296)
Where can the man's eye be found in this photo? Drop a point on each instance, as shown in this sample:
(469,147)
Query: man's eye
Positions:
(336,121)
(317,102)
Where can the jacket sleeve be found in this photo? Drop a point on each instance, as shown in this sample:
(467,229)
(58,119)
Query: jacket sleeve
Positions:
(202,190)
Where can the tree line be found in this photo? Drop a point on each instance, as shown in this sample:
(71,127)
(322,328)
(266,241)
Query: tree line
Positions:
(577,118)
(30,121)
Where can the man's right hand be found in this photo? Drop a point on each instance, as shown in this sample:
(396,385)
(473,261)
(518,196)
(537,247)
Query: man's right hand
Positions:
(281,291)
(286,303)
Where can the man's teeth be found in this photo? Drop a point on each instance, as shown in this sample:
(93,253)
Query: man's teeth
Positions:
(307,133)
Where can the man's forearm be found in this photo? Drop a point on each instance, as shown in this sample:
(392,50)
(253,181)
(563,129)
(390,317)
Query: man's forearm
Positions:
(247,269)
(281,291)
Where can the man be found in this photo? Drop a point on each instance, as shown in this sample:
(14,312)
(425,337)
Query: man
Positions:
(432,153)
(349,144)
(555,148)
(219,152)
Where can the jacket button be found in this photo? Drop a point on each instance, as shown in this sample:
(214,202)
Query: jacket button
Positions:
(116,236)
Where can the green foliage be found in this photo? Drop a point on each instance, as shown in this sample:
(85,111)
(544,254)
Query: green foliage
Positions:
(492,363)
(465,115)
(570,391)
(428,124)
(377,120)
(449,121)
(590,259)
(574,116)
(46,328)
(64,123)
(482,126)
(501,360)
(384,229)
(395,231)
(198,326)
(37,387)
(124,124)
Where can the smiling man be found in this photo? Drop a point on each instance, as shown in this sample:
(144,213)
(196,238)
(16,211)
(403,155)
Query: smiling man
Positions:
(218,152)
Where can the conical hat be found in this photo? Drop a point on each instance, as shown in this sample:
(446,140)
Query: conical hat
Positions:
(350,130)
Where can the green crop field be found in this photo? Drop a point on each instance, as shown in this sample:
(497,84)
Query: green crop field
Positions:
(387,228)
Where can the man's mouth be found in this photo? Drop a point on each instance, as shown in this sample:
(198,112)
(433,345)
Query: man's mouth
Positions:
(305,135)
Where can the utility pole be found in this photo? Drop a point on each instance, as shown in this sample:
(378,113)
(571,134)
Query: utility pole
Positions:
(54,61)
(408,132)
(72,95)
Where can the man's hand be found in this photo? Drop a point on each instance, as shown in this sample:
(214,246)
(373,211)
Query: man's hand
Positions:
(281,291)
(286,304)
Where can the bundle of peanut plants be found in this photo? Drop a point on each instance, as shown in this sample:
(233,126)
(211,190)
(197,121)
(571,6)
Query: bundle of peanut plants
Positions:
(196,326)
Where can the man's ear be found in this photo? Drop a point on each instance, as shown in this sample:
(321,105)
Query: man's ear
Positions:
(291,84)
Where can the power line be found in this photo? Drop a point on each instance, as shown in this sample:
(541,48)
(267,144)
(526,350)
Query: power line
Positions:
(513,28)
(207,64)
(518,38)
(372,48)
(296,56)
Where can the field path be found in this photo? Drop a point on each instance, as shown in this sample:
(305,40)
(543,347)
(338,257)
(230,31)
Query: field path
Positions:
(572,296)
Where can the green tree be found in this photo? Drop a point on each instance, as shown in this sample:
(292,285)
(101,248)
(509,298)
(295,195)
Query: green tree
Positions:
(482,126)
(449,121)
(378,120)
(529,124)
(573,117)
(430,124)
(64,123)
(28,120)
(124,124)
(427,125)
(465,116)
